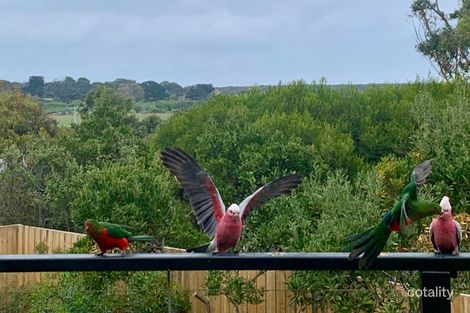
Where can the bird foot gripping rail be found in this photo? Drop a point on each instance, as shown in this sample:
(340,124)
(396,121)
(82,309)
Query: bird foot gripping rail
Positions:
(436,271)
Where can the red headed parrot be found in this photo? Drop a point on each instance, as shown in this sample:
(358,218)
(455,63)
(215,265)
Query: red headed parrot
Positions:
(108,235)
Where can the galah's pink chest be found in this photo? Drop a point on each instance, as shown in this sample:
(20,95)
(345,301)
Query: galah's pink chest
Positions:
(445,234)
(228,233)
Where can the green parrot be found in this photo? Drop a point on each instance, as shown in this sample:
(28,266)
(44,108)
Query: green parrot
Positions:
(109,235)
(408,210)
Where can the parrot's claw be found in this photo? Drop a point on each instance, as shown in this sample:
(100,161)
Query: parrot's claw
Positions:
(437,252)
(99,254)
(455,252)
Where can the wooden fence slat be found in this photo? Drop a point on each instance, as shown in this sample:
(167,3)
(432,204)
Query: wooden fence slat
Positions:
(271,292)
(281,291)
(250,308)
(261,283)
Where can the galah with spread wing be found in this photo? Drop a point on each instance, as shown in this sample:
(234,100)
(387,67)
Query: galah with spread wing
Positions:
(223,227)
(407,210)
(445,232)
(108,235)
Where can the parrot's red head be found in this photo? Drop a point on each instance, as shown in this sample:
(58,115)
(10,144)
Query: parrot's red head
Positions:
(88,225)
(233,211)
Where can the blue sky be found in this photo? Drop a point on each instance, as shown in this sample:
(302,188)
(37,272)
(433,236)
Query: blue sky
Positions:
(233,42)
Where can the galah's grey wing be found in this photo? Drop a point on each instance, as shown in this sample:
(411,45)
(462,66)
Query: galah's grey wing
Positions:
(204,197)
(459,232)
(276,188)
(431,236)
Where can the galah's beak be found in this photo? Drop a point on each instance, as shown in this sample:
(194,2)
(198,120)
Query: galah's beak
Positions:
(236,214)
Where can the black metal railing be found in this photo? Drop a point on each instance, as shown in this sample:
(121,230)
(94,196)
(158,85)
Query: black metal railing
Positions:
(436,271)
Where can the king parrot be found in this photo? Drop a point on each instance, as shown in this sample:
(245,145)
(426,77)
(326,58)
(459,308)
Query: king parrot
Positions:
(108,235)
(408,210)
(445,232)
(222,226)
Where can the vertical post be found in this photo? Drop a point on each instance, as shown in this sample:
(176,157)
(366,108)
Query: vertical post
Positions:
(170,288)
(435,292)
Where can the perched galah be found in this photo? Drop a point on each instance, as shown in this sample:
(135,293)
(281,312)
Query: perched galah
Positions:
(222,226)
(445,232)
(108,235)
(407,210)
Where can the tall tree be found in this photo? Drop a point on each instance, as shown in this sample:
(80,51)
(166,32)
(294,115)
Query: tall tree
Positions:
(153,91)
(199,91)
(444,38)
(83,86)
(68,90)
(35,86)
(106,129)
(21,115)
(172,89)
(131,90)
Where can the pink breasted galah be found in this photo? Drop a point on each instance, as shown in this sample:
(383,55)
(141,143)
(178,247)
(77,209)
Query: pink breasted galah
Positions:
(445,232)
(222,226)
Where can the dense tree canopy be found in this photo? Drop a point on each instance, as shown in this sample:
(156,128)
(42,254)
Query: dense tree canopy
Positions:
(153,91)
(199,91)
(35,86)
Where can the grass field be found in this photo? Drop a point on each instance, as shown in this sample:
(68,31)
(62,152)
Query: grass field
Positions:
(67,120)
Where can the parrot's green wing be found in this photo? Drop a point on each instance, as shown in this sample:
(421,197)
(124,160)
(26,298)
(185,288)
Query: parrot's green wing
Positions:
(404,219)
(417,178)
(116,230)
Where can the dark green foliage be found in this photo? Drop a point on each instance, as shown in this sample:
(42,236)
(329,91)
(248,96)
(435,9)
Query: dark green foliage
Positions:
(105,131)
(136,292)
(68,90)
(35,86)
(162,106)
(444,136)
(32,185)
(148,125)
(172,89)
(198,92)
(375,132)
(153,91)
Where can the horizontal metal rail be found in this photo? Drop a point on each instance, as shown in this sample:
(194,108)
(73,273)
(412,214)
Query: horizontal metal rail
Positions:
(243,261)
(436,270)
